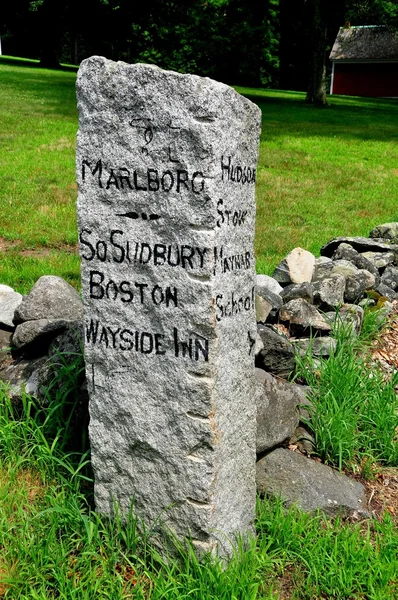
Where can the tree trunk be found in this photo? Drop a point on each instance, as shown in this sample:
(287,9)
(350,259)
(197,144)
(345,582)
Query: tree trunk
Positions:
(317,13)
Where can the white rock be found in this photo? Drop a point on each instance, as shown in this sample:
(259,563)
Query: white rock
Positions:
(265,281)
(166,168)
(9,302)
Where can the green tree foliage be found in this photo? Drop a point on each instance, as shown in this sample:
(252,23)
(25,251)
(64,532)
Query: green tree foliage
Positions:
(232,40)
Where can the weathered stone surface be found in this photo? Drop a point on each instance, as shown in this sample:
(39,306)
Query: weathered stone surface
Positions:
(268,283)
(349,319)
(22,376)
(356,285)
(50,298)
(166,168)
(39,333)
(299,290)
(277,354)
(343,267)
(304,441)
(319,346)
(277,412)
(390,278)
(358,243)
(265,302)
(386,291)
(299,313)
(323,268)
(9,302)
(297,267)
(309,484)
(347,252)
(329,292)
(387,231)
(379,259)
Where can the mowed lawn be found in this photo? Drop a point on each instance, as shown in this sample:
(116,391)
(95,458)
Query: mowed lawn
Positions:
(321,173)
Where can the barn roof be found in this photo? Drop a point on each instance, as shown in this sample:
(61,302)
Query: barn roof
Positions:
(365,43)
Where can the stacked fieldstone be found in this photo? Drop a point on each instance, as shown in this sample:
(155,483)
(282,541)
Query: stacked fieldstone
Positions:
(297,308)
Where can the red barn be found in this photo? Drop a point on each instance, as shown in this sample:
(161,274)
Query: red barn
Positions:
(365,62)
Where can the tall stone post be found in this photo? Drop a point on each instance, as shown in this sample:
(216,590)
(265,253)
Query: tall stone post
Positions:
(166,168)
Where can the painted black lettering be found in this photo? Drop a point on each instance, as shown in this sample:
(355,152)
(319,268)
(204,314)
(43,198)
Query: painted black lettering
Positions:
(137,186)
(126,336)
(157,295)
(220,307)
(112,180)
(84,242)
(96,289)
(158,343)
(167,188)
(159,254)
(177,256)
(111,290)
(141,287)
(145,259)
(102,250)
(187,257)
(201,182)
(182,178)
(113,334)
(118,259)
(149,348)
(202,346)
(104,337)
(125,178)
(220,221)
(201,252)
(225,167)
(92,332)
(125,289)
(97,169)
(171,296)
(153,180)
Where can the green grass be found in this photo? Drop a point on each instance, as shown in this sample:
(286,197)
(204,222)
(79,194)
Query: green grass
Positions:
(321,173)
(38,123)
(355,405)
(55,546)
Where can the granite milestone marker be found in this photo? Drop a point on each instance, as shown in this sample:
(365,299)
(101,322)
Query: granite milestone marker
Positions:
(166,167)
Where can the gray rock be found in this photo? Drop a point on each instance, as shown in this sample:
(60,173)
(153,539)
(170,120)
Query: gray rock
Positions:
(300,290)
(356,285)
(309,484)
(297,267)
(299,313)
(268,283)
(265,302)
(38,334)
(323,268)
(387,231)
(386,291)
(22,376)
(329,292)
(380,260)
(343,267)
(390,278)
(304,440)
(361,244)
(347,252)
(50,298)
(348,319)
(168,287)
(9,302)
(319,346)
(277,413)
(277,354)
